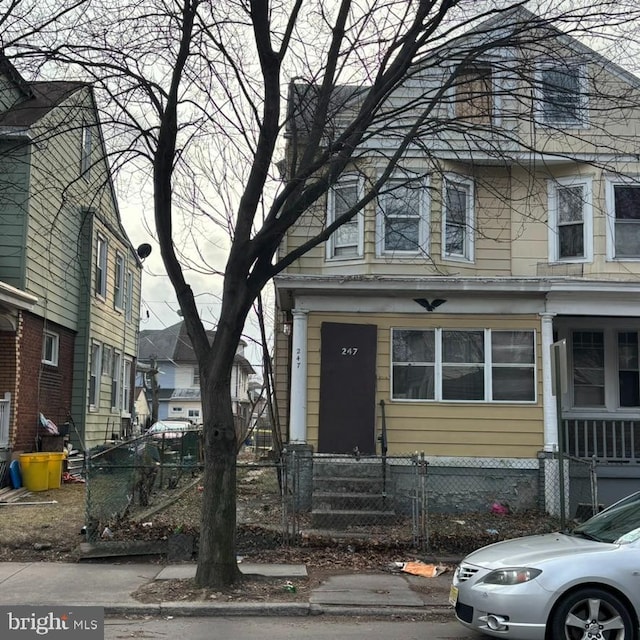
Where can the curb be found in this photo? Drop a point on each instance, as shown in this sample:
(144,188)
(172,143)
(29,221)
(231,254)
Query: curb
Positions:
(281,609)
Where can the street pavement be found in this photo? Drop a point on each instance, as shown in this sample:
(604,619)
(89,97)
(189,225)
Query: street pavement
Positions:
(111,586)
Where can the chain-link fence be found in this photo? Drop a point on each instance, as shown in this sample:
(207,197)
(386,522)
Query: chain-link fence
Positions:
(121,478)
(404,501)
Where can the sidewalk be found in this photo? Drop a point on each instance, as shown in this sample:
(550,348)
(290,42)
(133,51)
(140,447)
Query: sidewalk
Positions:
(111,585)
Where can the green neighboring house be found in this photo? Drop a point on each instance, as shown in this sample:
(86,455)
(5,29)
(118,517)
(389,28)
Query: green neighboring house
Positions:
(69,276)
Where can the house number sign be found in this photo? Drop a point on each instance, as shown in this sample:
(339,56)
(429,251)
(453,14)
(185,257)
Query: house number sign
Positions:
(349,351)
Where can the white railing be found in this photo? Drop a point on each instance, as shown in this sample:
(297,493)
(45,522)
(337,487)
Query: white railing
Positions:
(5,412)
(608,440)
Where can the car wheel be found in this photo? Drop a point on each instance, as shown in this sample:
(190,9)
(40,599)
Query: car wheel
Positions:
(591,614)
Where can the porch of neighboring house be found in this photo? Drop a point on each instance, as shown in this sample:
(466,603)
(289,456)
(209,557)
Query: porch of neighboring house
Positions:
(601,408)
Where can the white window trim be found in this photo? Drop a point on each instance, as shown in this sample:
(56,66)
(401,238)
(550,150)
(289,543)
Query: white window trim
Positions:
(469,243)
(95,371)
(116,381)
(129,296)
(55,348)
(86,149)
(610,205)
(119,283)
(582,121)
(587,217)
(424,215)
(127,366)
(487,364)
(329,244)
(101,263)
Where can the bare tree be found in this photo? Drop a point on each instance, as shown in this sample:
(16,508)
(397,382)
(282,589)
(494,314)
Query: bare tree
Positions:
(204,93)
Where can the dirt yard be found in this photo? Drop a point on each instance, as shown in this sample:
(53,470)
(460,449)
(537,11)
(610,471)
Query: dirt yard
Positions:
(51,530)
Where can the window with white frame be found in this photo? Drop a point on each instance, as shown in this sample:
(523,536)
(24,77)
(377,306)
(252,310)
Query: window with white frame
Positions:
(101,267)
(346,241)
(94,375)
(107,360)
(128,301)
(86,144)
(403,217)
(119,285)
(116,377)
(570,220)
(50,348)
(562,94)
(458,219)
(126,385)
(196,377)
(414,363)
(194,414)
(623,211)
(463,365)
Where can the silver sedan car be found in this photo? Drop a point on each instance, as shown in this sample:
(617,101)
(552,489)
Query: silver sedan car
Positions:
(582,585)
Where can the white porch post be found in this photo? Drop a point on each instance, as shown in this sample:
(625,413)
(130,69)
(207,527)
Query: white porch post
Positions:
(549,400)
(298,398)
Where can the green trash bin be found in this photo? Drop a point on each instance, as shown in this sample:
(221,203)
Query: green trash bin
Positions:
(34,468)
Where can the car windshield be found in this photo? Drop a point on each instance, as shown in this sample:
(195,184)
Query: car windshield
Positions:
(619,523)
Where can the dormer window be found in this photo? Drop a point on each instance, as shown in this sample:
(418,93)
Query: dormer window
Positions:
(475,94)
(562,95)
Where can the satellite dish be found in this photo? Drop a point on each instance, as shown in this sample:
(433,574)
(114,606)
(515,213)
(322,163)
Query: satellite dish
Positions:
(144,250)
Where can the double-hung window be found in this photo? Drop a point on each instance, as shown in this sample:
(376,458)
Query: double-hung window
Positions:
(119,283)
(347,240)
(94,375)
(116,377)
(458,219)
(101,267)
(50,348)
(562,95)
(623,214)
(463,365)
(126,385)
(403,217)
(128,296)
(570,220)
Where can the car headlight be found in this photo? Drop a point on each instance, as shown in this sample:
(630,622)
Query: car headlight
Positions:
(517,575)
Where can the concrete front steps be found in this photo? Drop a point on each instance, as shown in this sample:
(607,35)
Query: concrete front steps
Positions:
(350,493)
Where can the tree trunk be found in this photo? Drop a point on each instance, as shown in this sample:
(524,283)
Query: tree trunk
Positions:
(217,563)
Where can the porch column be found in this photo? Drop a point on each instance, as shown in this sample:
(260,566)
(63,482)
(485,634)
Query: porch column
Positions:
(549,400)
(298,398)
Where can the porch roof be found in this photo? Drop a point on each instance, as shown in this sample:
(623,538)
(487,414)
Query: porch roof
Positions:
(554,294)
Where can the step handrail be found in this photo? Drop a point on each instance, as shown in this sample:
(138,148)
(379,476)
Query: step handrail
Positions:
(383,449)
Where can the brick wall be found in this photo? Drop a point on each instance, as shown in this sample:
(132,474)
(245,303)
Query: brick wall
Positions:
(41,388)
(8,360)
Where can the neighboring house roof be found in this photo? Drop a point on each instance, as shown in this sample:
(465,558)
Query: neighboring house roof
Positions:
(44,97)
(173,344)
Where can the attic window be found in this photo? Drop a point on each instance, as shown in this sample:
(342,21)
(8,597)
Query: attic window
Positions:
(474,94)
(562,95)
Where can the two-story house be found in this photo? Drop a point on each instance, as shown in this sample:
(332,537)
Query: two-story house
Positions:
(171,358)
(71,279)
(511,222)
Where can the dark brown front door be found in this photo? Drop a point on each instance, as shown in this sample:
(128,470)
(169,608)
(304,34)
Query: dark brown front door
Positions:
(347,388)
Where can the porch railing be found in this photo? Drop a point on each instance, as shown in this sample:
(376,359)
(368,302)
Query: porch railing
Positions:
(607,440)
